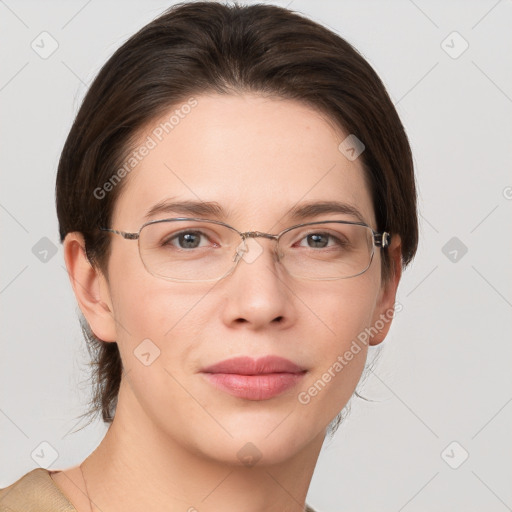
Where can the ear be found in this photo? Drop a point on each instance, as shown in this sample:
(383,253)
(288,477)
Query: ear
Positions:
(91,288)
(385,306)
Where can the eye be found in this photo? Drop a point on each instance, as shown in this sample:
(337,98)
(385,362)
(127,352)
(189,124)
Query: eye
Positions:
(321,240)
(317,240)
(185,240)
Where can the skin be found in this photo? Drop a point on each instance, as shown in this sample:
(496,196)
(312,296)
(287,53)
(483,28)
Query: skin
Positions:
(173,443)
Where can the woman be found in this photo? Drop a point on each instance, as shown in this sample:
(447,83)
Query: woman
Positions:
(236,201)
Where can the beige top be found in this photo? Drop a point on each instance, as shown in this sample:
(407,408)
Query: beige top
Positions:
(36,492)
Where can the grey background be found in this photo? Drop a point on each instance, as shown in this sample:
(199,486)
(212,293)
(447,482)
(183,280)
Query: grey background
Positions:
(444,372)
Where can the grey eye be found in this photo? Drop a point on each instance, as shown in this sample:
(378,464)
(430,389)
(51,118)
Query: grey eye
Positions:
(317,240)
(185,240)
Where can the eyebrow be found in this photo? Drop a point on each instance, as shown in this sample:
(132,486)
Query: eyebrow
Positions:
(195,208)
(211,209)
(306,210)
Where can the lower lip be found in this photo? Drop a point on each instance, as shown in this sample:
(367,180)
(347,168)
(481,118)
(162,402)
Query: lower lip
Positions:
(254,387)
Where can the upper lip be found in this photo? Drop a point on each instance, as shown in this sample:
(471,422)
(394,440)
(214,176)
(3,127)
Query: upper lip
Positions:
(250,366)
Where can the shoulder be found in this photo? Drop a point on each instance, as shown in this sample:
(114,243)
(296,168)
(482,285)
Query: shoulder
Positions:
(35,491)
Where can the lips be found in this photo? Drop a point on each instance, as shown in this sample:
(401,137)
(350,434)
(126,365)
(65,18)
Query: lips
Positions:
(251,379)
(249,366)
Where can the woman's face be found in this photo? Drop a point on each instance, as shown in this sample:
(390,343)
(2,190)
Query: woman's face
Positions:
(257,158)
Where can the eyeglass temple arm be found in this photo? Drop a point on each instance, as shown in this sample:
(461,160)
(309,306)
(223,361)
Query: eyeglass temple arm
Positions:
(127,236)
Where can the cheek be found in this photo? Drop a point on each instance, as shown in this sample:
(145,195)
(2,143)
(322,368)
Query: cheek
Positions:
(159,331)
(164,312)
(339,311)
(338,325)
(146,306)
(161,327)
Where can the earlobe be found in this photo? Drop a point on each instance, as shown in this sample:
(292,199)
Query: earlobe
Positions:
(90,287)
(385,308)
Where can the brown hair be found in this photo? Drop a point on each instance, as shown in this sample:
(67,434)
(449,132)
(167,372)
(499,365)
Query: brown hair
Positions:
(204,47)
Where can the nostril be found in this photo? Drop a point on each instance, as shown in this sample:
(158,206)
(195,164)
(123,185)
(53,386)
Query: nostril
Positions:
(278,319)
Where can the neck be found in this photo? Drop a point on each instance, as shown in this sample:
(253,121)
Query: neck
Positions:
(138,465)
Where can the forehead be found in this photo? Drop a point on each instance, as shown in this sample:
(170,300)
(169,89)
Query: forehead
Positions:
(257,157)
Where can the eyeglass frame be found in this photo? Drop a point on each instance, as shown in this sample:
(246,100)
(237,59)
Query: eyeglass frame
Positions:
(381,240)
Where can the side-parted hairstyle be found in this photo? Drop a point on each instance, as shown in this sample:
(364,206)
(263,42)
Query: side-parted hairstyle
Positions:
(209,47)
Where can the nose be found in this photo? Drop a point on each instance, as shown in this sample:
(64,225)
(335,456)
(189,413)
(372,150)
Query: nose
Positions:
(258,292)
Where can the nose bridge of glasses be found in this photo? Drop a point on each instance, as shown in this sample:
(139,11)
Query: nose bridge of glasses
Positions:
(249,250)
(257,234)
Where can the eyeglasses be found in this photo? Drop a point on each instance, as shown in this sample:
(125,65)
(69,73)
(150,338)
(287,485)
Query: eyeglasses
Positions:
(199,250)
